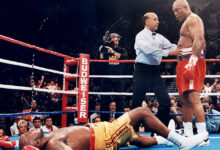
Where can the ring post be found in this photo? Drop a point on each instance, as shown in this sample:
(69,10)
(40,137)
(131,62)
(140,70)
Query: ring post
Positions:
(83,97)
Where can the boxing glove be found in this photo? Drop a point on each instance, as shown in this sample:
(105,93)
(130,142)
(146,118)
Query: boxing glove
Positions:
(189,73)
(7,144)
(5,138)
(29,147)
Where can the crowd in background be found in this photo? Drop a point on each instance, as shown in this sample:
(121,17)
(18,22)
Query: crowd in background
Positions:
(29,101)
(41,101)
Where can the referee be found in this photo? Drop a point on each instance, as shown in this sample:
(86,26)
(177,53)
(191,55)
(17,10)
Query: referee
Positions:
(150,48)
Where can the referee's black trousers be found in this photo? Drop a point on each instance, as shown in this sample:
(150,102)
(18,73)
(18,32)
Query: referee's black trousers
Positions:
(147,78)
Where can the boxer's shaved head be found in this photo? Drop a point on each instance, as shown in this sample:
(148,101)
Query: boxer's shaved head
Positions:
(181,3)
(181,9)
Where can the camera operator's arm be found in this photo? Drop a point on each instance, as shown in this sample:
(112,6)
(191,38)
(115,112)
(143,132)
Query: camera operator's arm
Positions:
(119,55)
(124,54)
(101,55)
(110,50)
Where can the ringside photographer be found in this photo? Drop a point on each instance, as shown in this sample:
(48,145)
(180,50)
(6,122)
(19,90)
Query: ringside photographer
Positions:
(111,50)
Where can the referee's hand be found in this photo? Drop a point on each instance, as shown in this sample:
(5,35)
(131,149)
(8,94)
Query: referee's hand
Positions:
(177,52)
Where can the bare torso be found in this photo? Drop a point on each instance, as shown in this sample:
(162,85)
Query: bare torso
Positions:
(76,138)
(191,27)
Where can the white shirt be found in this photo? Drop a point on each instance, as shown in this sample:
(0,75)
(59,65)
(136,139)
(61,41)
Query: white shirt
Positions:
(14,129)
(150,48)
(44,128)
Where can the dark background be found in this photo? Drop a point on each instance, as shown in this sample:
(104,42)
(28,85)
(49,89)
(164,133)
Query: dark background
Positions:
(75,26)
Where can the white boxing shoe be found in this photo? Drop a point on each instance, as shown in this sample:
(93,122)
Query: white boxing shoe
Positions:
(188,143)
(194,141)
(206,142)
(172,125)
(162,140)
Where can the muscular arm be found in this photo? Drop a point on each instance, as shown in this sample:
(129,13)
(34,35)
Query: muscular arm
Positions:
(57,144)
(196,30)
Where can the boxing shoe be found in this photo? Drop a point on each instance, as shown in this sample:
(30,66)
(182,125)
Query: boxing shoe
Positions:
(29,147)
(206,142)
(187,143)
(162,140)
(7,144)
(172,125)
(4,138)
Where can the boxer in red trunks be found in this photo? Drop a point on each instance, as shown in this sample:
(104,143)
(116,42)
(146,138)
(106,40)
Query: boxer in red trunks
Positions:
(108,136)
(191,67)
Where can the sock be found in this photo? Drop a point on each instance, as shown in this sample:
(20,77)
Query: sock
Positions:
(188,130)
(175,138)
(201,127)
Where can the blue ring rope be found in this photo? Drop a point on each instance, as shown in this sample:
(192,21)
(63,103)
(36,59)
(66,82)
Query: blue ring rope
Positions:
(68,112)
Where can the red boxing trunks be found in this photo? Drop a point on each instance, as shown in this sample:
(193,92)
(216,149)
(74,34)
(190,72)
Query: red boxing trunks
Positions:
(183,84)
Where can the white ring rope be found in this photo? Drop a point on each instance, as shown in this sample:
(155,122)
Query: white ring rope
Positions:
(15,87)
(131,76)
(34,67)
(4,86)
(91,76)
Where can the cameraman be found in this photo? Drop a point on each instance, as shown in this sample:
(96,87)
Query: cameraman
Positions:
(111,50)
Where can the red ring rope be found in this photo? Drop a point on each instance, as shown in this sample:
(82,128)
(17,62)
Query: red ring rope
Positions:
(34,47)
(132,61)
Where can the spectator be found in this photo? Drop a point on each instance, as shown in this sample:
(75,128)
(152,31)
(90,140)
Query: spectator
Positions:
(112,116)
(40,82)
(33,108)
(127,108)
(208,89)
(22,126)
(24,101)
(176,110)
(217,86)
(112,52)
(212,122)
(218,102)
(155,106)
(97,119)
(94,115)
(14,128)
(49,127)
(37,122)
(52,86)
(2,133)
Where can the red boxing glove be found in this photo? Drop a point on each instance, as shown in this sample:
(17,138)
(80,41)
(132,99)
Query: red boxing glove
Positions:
(5,138)
(29,147)
(7,144)
(189,73)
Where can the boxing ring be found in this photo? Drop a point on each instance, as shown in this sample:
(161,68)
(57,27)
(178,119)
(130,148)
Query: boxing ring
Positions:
(81,77)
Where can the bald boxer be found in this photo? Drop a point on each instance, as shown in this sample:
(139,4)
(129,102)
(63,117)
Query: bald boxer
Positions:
(105,135)
(191,67)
